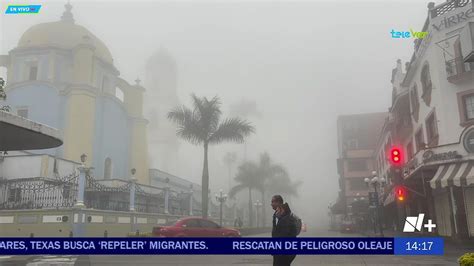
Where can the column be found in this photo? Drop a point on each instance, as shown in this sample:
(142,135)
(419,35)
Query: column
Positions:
(79,219)
(132,193)
(81,186)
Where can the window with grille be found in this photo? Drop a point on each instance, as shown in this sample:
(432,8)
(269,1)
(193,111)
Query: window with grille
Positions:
(410,151)
(357,165)
(420,142)
(432,129)
(469,106)
(357,184)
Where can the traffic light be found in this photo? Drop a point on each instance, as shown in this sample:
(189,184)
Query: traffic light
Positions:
(396,156)
(400,193)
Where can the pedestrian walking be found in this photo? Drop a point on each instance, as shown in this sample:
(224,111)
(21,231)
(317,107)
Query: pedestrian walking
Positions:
(283,226)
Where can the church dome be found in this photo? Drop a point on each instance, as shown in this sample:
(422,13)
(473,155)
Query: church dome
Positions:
(64,34)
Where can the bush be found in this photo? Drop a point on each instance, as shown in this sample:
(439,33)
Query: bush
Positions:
(466,259)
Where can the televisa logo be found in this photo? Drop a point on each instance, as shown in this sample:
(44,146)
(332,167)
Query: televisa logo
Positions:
(408,34)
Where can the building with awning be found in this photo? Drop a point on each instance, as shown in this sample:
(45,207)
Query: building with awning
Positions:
(431,120)
(455,174)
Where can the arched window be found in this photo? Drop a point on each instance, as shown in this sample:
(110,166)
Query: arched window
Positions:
(119,94)
(415,103)
(108,168)
(426,84)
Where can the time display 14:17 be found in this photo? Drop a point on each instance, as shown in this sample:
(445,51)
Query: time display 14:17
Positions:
(423,246)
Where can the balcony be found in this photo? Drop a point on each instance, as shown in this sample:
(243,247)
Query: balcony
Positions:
(458,71)
(447,7)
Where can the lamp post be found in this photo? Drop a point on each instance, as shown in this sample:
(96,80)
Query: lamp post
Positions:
(221,198)
(257,204)
(191,192)
(376,183)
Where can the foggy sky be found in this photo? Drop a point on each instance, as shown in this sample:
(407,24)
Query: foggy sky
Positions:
(303,63)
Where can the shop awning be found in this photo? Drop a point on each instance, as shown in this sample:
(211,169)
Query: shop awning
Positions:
(454,174)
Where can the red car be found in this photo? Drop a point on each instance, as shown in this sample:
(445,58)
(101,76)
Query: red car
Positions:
(194,227)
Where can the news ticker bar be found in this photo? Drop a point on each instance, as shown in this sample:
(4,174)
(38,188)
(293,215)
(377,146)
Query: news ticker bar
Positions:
(222,246)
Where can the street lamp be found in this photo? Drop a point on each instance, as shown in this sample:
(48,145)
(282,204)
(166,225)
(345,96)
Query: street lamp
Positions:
(221,198)
(257,205)
(376,182)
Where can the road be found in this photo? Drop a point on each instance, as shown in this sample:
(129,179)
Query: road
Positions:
(449,259)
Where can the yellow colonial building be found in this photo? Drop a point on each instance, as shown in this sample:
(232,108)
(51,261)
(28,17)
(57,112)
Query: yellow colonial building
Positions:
(62,75)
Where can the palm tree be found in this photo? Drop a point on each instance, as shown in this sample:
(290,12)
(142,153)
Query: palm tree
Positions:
(229,160)
(268,172)
(263,176)
(282,184)
(202,126)
(247,177)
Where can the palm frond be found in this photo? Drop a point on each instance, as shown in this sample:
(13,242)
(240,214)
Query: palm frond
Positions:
(246,172)
(214,106)
(180,114)
(277,169)
(232,129)
(236,189)
(207,112)
(187,125)
(198,104)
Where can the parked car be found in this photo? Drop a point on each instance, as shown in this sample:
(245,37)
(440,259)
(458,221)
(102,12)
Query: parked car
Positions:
(348,226)
(194,227)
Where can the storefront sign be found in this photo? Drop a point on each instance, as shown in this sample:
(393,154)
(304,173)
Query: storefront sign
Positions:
(453,20)
(430,156)
(410,166)
(468,141)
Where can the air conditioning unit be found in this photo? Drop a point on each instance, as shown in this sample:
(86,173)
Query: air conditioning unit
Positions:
(466,37)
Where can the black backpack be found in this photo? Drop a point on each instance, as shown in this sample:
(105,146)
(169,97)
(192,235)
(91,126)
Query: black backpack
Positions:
(297,221)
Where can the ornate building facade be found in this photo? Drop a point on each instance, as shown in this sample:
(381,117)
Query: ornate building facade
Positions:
(62,75)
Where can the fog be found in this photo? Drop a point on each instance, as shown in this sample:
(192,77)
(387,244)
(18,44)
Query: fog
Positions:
(298,64)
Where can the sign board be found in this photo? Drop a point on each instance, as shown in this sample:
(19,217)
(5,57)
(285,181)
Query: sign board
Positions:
(468,141)
(430,156)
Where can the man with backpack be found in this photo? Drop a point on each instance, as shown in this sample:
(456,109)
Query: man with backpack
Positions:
(285,224)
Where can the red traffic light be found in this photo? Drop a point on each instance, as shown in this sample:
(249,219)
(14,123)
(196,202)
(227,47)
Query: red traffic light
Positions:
(395,156)
(400,193)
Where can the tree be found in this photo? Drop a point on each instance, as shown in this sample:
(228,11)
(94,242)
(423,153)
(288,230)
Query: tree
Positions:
(264,176)
(202,125)
(229,159)
(268,172)
(247,177)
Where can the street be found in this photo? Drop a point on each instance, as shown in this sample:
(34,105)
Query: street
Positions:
(448,259)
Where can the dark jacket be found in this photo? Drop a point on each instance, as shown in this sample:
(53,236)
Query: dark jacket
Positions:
(285,226)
